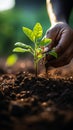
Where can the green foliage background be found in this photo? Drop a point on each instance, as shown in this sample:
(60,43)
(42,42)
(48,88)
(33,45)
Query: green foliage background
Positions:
(11,23)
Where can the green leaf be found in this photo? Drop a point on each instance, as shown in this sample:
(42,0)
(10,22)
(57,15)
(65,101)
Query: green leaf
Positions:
(19,49)
(53,53)
(44,42)
(39,54)
(19,44)
(38,31)
(38,50)
(11,60)
(29,33)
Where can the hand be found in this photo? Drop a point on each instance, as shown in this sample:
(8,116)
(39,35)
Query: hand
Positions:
(62,39)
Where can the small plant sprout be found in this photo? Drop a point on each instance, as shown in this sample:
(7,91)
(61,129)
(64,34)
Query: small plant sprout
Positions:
(35,36)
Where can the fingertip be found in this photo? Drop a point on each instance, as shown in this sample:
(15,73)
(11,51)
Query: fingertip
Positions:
(46,49)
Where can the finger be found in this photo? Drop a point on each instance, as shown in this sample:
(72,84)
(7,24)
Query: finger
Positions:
(63,59)
(52,34)
(58,62)
(63,43)
(61,47)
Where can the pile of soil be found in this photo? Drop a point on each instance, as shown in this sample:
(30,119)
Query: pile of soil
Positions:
(30,103)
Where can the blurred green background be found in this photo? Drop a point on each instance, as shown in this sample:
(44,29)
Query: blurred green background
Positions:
(25,13)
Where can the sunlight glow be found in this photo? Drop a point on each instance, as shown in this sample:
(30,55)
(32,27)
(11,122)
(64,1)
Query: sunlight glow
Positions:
(6,4)
(50,12)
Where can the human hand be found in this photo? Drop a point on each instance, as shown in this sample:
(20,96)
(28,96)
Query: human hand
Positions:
(62,39)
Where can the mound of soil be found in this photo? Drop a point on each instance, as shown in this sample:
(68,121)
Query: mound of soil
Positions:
(30,103)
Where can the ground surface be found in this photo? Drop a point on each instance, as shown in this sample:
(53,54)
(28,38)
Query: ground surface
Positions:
(30,103)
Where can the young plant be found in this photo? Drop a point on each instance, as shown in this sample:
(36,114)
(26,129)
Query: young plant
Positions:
(35,36)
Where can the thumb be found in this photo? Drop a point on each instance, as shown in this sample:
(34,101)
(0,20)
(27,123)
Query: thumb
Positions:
(52,33)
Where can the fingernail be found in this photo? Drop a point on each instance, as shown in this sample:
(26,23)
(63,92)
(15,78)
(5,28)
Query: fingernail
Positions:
(45,49)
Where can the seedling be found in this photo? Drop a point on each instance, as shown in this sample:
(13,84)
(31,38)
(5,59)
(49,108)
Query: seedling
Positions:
(35,36)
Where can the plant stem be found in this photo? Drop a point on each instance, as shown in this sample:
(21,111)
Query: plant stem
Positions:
(36,69)
(35,60)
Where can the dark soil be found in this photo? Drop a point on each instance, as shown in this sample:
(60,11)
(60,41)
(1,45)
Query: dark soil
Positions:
(29,103)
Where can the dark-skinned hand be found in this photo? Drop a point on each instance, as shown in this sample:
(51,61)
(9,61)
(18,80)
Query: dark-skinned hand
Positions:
(62,39)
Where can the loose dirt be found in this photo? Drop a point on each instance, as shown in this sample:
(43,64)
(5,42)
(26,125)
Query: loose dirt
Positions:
(30,103)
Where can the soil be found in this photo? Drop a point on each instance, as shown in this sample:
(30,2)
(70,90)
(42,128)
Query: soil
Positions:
(30,103)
